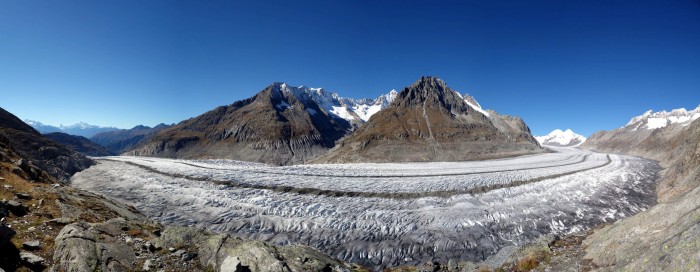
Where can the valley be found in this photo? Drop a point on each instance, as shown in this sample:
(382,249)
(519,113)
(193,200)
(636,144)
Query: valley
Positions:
(389,214)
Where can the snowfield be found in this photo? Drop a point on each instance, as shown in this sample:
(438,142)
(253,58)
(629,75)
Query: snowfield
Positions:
(386,214)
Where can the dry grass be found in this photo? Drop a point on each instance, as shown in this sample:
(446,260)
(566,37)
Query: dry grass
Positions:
(42,207)
(528,263)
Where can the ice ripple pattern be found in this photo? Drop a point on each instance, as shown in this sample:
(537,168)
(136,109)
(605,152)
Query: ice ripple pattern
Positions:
(386,231)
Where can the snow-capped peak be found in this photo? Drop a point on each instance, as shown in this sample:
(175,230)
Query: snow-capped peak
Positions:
(79,125)
(344,108)
(653,120)
(561,138)
(365,108)
(32,122)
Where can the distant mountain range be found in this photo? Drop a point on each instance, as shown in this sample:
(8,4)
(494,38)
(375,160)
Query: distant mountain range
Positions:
(645,133)
(561,138)
(80,129)
(79,144)
(119,141)
(287,125)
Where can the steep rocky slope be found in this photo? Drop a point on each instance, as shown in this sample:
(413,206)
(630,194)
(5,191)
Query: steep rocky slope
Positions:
(278,125)
(665,237)
(47,226)
(120,141)
(428,121)
(665,140)
(78,144)
(37,150)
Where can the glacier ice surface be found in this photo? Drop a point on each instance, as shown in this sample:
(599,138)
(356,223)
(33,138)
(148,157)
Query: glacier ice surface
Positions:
(567,191)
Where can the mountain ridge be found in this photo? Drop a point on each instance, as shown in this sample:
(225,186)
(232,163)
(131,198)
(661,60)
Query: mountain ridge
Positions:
(287,125)
(39,151)
(80,129)
(120,141)
(428,121)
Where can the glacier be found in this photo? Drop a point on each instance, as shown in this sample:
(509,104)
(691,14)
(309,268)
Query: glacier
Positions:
(386,214)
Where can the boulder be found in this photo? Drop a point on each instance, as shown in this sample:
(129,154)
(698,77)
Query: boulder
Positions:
(92,247)
(24,196)
(227,253)
(61,221)
(32,261)
(231,264)
(31,245)
(16,208)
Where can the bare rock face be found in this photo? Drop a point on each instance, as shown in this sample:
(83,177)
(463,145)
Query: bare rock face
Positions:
(93,247)
(276,126)
(665,237)
(675,146)
(428,121)
(227,253)
(38,151)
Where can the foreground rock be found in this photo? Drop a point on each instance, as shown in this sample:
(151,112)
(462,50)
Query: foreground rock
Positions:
(226,253)
(32,261)
(93,247)
(664,238)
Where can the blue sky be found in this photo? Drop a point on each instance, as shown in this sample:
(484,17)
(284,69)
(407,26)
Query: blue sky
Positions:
(585,65)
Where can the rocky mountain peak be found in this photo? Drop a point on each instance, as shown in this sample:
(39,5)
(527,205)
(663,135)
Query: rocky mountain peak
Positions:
(431,92)
(428,121)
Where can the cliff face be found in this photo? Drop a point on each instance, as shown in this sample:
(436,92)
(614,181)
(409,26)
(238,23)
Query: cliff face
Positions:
(428,121)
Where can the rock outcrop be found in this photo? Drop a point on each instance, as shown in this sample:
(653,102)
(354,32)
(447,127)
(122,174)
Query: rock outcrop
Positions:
(223,252)
(428,121)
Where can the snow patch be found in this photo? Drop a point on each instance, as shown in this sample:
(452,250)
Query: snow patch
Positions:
(342,112)
(654,120)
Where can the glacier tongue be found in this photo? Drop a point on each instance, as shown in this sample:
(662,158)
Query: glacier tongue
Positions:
(580,189)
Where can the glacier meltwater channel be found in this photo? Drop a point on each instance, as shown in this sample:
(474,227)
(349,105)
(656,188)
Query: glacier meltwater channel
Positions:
(385,214)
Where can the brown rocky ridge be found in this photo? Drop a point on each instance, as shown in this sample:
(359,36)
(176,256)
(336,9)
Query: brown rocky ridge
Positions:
(428,121)
(275,126)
